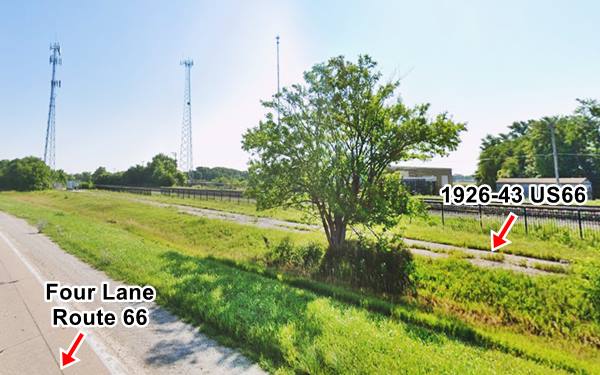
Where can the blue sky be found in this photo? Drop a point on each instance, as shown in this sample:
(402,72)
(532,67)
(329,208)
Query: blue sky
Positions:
(486,63)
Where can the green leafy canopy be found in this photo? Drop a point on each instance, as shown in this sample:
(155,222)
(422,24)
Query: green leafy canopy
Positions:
(526,150)
(337,134)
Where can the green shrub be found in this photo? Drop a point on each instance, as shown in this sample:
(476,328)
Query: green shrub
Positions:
(26,174)
(303,258)
(493,257)
(86,185)
(384,266)
(556,268)
(592,274)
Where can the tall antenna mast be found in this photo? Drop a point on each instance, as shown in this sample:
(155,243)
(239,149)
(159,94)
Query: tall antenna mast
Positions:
(50,146)
(185,156)
(278,89)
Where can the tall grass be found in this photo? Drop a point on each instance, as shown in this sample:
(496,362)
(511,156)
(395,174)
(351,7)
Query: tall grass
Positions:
(287,329)
(546,241)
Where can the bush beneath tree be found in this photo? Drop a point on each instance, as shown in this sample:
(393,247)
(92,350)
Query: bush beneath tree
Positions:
(383,266)
(302,259)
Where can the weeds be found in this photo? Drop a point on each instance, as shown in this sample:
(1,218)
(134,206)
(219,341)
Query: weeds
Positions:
(555,268)
(288,329)
(493,257)
(547,306)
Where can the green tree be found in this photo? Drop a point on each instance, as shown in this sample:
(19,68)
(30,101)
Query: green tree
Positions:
(211,174)
(526,150)
(29,173)
(103,177)
(60,177)
(162,171)
(338,133)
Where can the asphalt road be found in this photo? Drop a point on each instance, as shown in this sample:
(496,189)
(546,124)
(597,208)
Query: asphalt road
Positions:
(30,345)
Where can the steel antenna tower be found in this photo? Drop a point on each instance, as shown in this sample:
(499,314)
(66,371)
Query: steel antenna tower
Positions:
(185,155)
(278,90)
(50,146)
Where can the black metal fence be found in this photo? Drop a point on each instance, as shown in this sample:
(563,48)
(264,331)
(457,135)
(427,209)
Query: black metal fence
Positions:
(230,195)
(583,219)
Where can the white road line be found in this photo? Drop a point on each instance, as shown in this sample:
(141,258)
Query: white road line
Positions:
(110,362)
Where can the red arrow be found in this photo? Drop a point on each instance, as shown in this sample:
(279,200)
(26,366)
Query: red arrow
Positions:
(499,239)
(67,359)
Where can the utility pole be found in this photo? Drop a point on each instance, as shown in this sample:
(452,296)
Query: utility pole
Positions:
(278,89)
(185,156)
(50,145)
(552,127)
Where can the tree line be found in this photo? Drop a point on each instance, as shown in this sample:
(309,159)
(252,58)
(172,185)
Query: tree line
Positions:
(29,173)
(526,150)
(160,171)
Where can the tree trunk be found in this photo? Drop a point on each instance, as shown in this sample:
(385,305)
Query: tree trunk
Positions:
(334,227)
(337,232)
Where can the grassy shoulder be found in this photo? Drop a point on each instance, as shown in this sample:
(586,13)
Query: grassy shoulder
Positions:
(288,329)
(228,205)
(549,306)
(543,242)
(594,202)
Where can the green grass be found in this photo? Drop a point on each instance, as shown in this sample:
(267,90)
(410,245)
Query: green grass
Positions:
(594,202)
(549,267)
(553,307)
(285,328)
(493,257)
(456,298)
(543,242)
(241,207)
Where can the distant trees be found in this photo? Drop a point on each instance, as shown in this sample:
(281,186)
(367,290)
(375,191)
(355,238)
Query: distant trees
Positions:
(526,150)
(26,174)
(338,133)
(227,177)
(161,171)
(218,173)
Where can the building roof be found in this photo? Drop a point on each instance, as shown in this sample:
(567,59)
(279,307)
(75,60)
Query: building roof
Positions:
(542,180)
(408,168)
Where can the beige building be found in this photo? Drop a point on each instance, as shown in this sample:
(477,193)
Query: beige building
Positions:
(432,179)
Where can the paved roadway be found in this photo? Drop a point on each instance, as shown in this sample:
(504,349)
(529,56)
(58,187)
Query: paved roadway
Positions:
(29,345)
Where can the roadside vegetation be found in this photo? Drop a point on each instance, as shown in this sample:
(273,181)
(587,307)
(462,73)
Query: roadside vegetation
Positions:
(544,241)
(526,150)
(160,171)
(27,174)
(550,319)
(244,207)
(348,296)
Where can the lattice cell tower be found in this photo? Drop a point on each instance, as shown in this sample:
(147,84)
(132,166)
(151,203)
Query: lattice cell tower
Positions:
(185,155)
(50,147)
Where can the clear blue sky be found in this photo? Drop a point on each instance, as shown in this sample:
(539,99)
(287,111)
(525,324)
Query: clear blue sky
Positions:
(486,63)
